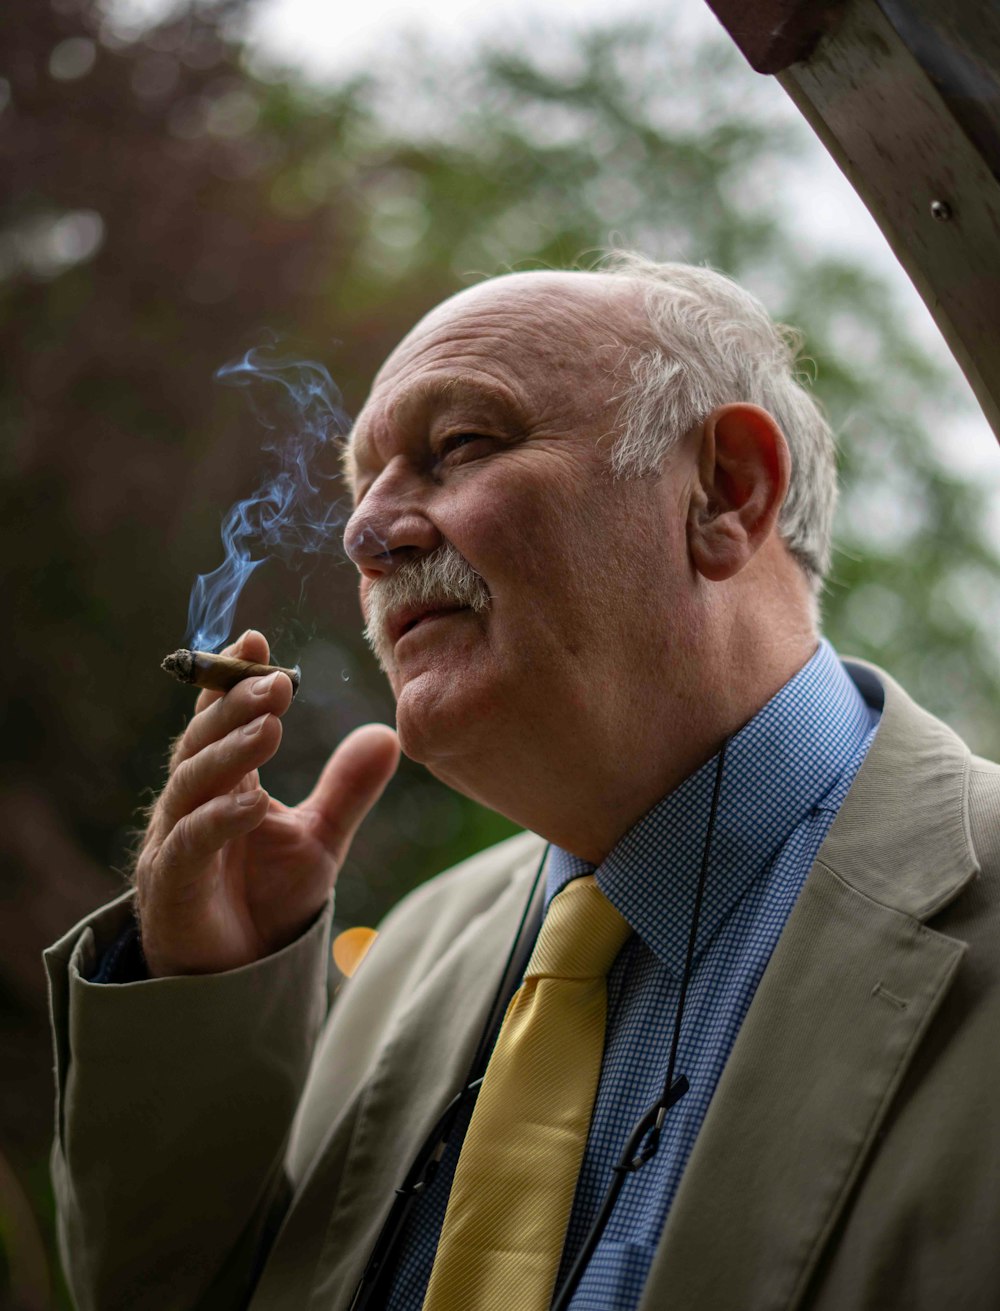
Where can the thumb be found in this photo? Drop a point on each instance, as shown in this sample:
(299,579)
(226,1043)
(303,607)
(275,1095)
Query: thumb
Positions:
(352,781)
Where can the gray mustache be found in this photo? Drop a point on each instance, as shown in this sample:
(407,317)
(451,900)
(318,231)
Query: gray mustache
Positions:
(443,577)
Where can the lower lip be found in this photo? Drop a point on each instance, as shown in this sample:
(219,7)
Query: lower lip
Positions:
(428,619)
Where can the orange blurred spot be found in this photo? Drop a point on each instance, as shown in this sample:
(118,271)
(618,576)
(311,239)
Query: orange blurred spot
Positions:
(351,947)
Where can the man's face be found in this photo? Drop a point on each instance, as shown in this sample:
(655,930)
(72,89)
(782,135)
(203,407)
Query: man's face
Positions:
(488,431)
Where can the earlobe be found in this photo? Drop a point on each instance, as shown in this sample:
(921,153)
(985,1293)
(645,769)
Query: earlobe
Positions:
(743,470)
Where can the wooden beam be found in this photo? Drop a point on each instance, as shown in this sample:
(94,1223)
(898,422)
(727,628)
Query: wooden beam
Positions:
(775,33)
(910,110)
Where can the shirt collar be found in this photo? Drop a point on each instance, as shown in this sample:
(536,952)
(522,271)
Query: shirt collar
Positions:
(779,768)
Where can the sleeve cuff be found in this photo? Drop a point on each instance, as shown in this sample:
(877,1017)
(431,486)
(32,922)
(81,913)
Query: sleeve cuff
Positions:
(123,962)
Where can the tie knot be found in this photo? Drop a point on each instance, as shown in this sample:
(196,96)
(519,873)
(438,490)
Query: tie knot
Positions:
(581,934)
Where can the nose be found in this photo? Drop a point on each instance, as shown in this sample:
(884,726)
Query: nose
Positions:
(388,528)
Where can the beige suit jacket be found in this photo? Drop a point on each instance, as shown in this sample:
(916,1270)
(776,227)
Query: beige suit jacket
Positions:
(220,1146)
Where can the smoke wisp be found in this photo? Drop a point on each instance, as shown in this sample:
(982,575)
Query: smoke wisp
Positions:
(293,513)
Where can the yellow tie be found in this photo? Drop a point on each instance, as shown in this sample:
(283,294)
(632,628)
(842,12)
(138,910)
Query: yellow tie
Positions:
(506,1220)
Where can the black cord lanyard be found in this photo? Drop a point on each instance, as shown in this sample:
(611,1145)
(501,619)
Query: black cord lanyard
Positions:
(644,1140)
(640,1147)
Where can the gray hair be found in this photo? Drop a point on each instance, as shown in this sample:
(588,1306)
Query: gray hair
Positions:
(714,343)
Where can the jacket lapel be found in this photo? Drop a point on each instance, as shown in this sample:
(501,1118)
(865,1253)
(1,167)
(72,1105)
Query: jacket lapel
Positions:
(420,1068)
(854,982)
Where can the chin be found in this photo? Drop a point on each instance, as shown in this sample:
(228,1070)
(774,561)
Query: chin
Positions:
(442,721)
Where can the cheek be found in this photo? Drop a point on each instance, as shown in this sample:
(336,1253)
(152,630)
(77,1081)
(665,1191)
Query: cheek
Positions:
(521,525)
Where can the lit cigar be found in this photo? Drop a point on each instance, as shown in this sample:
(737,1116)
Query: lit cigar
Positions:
(219,673)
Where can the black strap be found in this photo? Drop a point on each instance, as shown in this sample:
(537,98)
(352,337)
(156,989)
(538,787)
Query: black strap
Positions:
(644,1140)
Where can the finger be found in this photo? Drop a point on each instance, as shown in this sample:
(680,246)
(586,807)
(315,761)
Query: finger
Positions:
(248,700)
(201,834)
(352,781)
(219,768)
(251,646)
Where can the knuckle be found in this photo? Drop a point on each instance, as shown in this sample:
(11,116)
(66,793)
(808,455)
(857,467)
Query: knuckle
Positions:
(183,779)
(184,840)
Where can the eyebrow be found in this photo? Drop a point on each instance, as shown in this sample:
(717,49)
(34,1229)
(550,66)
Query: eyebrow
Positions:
(439,391)
(430,392)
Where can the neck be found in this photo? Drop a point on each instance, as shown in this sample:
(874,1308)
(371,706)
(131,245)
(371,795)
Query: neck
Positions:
(582,774)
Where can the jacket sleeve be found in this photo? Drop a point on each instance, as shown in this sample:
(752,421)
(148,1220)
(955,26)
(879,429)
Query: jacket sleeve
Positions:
(174,1102)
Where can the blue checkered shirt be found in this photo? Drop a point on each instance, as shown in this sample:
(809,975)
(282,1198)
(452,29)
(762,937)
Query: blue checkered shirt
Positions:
(786,774)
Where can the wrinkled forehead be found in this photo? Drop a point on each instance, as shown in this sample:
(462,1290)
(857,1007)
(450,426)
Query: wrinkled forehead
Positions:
(532,334)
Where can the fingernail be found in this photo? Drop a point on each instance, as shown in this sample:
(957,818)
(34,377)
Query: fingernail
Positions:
(254,726)
(262,685)
(248,798)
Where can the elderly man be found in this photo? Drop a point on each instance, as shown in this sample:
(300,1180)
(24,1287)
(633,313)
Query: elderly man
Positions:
(744,1062)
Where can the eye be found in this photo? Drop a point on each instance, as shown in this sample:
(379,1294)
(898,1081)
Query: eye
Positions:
(458,442)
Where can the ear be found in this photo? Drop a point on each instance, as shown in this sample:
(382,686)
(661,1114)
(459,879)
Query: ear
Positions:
(742,477)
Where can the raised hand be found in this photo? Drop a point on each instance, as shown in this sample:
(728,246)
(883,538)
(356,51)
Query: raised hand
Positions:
(227,874)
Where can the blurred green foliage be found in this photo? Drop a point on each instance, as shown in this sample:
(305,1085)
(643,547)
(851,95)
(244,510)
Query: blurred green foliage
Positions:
(161,204)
